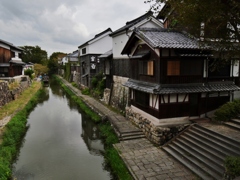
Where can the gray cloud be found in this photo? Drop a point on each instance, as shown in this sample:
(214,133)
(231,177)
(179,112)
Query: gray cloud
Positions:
(60,25)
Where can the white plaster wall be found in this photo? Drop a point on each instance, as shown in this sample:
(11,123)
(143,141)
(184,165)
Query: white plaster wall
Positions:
(150,24)
(118,44)
(80,50)
(120,41)
(235,69)
(154,101)
(100,46)
(64,60)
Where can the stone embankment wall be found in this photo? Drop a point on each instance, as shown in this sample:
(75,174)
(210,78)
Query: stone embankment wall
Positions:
(118,94)
(76,78)
(7,95)
(156,134)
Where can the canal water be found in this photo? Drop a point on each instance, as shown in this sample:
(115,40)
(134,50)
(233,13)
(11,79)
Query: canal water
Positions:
(61,142)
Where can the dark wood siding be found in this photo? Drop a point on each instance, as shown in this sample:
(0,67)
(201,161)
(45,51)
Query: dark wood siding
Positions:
(191,71)
(5,55)
(121,67)
(135,64)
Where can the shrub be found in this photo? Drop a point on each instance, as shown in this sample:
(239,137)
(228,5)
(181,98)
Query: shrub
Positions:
(228,111)
(29,72)
(98,85)
(74,84)
(94,82)
(86,91)
(232,166)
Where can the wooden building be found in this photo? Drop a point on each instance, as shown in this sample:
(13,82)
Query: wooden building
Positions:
(171,76)
(10,60)
(88,56)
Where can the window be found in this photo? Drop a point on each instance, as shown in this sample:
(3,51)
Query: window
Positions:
(84,51)
(191,67)
(146,68)
(142,98)
(173,68)
(218,70)
(174,98)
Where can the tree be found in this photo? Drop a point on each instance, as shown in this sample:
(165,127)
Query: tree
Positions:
(33,54)
(40,69)
(53,61)
(216,22)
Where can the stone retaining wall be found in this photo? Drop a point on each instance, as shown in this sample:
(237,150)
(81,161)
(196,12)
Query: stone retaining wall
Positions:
(119,94)
(157,134)
(7,95)
(76,78)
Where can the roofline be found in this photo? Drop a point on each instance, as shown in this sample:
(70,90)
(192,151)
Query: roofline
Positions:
(149,13)
(11,45)
(96,36)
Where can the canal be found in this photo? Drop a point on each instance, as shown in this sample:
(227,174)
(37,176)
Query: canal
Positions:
(61,142)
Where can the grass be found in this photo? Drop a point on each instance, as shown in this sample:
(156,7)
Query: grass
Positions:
(13,85)
(16,128)
(111,155)
(19,103)
(112,158)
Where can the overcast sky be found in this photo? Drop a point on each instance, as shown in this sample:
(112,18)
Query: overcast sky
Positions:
(63,25)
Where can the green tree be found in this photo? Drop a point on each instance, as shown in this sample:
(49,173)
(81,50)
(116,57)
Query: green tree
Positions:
(33,54)
(40,69)
(216,22)
(53,61)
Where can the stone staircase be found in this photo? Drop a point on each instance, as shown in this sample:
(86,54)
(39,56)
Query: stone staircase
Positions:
(203,151)
(134,134)
(233,123)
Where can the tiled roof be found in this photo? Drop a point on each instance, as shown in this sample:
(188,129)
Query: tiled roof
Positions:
(165,38)
(11,45)
(142,86)
(106,54)
(180,89)
(129,24)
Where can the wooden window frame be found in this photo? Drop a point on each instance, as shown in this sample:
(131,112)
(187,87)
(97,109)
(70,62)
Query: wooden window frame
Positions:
(173,68)
(146,67)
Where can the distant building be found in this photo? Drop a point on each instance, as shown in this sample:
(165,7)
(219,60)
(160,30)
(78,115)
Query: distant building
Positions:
(88,55)
(11,63)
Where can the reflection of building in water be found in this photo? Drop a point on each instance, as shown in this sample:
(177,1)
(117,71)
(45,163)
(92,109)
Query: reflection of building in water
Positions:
(91,136)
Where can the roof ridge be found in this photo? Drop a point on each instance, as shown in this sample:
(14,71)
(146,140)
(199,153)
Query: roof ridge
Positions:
(149,13)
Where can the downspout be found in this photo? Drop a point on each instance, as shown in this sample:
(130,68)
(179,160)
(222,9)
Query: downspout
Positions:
(207,95)
(127,104)
(232,63)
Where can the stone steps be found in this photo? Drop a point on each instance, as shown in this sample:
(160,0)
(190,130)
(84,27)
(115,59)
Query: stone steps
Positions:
(233,123)
(203,151)
(136,134)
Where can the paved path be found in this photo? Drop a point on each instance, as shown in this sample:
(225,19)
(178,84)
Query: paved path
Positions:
(144,160)
(147,162)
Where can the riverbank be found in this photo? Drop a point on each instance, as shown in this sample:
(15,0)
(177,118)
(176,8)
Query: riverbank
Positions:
(112,158)
(13,127)
(143,159)
(10,109)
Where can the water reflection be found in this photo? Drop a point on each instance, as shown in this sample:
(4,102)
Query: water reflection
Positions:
(61,143)
(91,136)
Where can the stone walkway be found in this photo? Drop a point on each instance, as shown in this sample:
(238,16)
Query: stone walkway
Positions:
(144,160)
(147,162)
